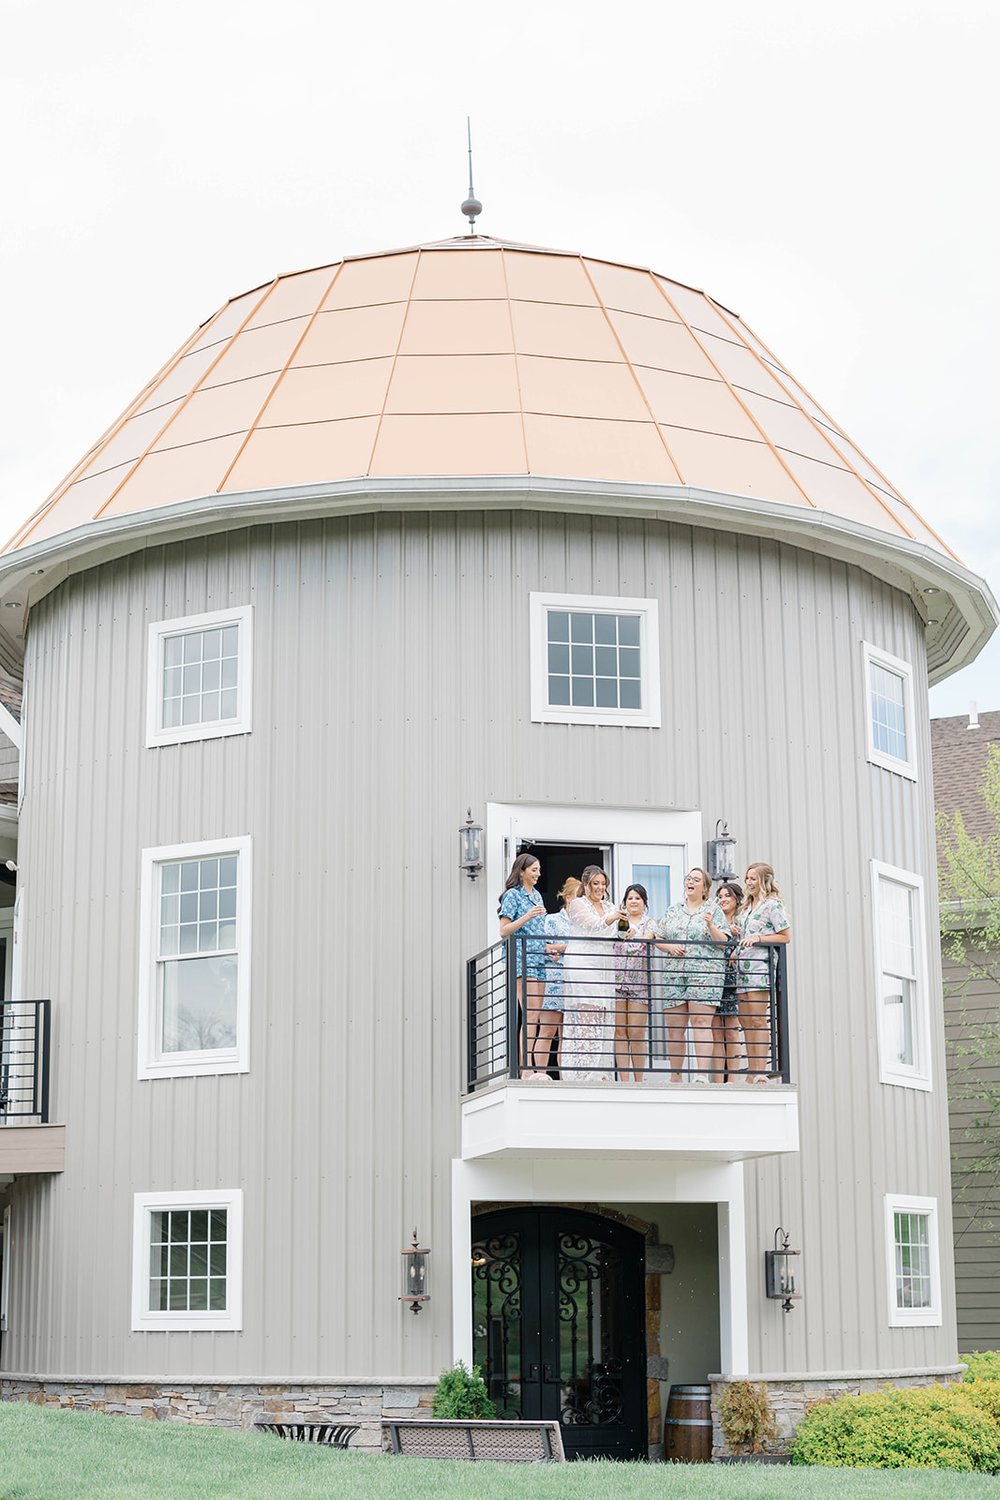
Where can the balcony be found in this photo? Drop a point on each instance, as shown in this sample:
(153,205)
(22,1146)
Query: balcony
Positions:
(28,1142)
(673,1084)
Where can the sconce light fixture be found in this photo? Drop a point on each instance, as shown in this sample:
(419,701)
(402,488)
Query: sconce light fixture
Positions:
(416,1281)
(470,843)
(779,1278)
(722,853)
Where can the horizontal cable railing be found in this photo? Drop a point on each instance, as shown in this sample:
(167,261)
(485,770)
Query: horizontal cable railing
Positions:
(24,1061)
(631,1011)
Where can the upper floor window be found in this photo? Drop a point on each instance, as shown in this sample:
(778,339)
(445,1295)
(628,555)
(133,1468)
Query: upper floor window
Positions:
(889,712)
(594,660)
(194,947)
(187,1260)
(913,1261)
(199,677)
(901,977)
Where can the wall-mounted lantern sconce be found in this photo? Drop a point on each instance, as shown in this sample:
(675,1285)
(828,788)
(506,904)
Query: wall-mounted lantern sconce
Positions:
(470,843)
(722,853)
(779,1277)
(416,1282)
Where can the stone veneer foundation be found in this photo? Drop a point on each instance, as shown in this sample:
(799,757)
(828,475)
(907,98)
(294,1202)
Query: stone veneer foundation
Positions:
(234,1404)
(791,1396)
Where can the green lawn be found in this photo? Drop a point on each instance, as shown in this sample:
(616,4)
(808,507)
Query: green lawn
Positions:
(63,1455)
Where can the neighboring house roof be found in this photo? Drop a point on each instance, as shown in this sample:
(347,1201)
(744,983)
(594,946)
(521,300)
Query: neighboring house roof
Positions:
(960,754)
(8,793)
(475,356)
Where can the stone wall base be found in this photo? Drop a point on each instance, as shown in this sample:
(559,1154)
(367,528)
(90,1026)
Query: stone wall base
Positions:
(236,1406)
(791,1400)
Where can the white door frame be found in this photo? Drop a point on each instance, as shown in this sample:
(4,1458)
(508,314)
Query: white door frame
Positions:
(555,823)
(608,1179)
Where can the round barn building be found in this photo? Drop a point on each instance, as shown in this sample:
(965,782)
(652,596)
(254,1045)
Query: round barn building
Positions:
(557,549)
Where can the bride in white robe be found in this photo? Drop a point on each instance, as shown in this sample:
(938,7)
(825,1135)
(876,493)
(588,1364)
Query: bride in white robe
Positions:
(588,1052)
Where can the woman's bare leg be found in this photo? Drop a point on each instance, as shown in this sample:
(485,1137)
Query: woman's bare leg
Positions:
(636,1031)
(701,1031)
(675,1020)
(534,1017)
(549,1025)
(757,1032)
(622,1059)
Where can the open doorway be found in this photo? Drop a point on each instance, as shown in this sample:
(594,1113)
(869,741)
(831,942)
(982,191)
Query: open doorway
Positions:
(559,861)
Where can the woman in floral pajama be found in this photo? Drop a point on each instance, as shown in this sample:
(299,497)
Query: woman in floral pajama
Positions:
(520,911)
(632,976)
(693,974)
(764,925)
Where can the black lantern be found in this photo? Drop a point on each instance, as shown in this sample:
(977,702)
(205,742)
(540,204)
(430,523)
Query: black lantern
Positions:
(416,1280)
(779,1277)
(722,853)
(470,843)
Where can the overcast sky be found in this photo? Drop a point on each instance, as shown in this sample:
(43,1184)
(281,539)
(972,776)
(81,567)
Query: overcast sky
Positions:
(829,174)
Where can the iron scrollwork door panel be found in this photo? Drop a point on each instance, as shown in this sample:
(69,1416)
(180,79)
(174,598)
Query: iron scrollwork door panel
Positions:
(559,1327)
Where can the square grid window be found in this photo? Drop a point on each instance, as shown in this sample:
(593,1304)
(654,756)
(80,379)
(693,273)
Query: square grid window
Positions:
(188,1254)
(200,677)
(594,660)
(913,1260)
(187,1260)
(889,717)
(198,956)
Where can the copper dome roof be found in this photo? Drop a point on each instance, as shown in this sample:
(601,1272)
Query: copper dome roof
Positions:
(477,358)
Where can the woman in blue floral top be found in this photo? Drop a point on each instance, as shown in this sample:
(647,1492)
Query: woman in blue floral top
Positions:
(521,912)
(763,925)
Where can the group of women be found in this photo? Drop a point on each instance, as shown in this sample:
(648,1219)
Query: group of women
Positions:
(705,961)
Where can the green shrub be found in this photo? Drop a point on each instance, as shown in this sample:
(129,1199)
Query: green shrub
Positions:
(984,1395)
(746,1416)
(934,1427)
(461,1396)
(985,1366)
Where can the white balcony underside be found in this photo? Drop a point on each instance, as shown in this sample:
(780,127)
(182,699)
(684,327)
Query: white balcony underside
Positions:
(718,1122)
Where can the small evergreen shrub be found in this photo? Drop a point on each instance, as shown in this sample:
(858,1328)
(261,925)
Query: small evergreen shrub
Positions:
(933,1427)
(746,1416)
(461,1396)
(984,1366)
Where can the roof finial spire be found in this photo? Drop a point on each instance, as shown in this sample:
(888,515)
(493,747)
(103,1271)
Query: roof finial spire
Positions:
(472,207)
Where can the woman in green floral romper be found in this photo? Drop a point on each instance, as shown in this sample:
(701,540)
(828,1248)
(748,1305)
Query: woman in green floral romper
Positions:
(693,975)
(763,924)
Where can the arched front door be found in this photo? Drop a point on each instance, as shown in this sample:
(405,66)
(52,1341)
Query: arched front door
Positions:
(558,1312)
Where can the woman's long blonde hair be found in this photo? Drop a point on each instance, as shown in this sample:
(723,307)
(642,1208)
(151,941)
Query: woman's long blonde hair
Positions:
(570,889)
(768,884)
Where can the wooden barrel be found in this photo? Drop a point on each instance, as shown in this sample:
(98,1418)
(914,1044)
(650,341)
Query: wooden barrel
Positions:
(687,1427)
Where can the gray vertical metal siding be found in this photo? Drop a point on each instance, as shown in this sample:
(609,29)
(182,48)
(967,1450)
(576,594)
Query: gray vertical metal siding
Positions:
(391,691)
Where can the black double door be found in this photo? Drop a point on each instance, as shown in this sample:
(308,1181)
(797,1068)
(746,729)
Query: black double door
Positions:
(559,1325)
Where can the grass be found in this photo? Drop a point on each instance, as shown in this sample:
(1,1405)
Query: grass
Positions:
(63,1455)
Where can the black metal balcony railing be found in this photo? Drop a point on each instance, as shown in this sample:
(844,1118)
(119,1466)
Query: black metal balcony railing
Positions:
(632,1012)
(25,1027)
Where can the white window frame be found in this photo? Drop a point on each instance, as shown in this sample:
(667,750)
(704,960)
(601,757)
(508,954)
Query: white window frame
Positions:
(920,1075)
(542,712)
(875,656)
(156,734)
(143,1318)
(913,1317)
(152,1062)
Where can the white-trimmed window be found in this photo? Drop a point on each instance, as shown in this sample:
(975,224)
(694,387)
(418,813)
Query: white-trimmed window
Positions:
(889,712)
(199,677)
(913,1262)
(194,959)
(594,660)
(187,1260)
(901,977)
